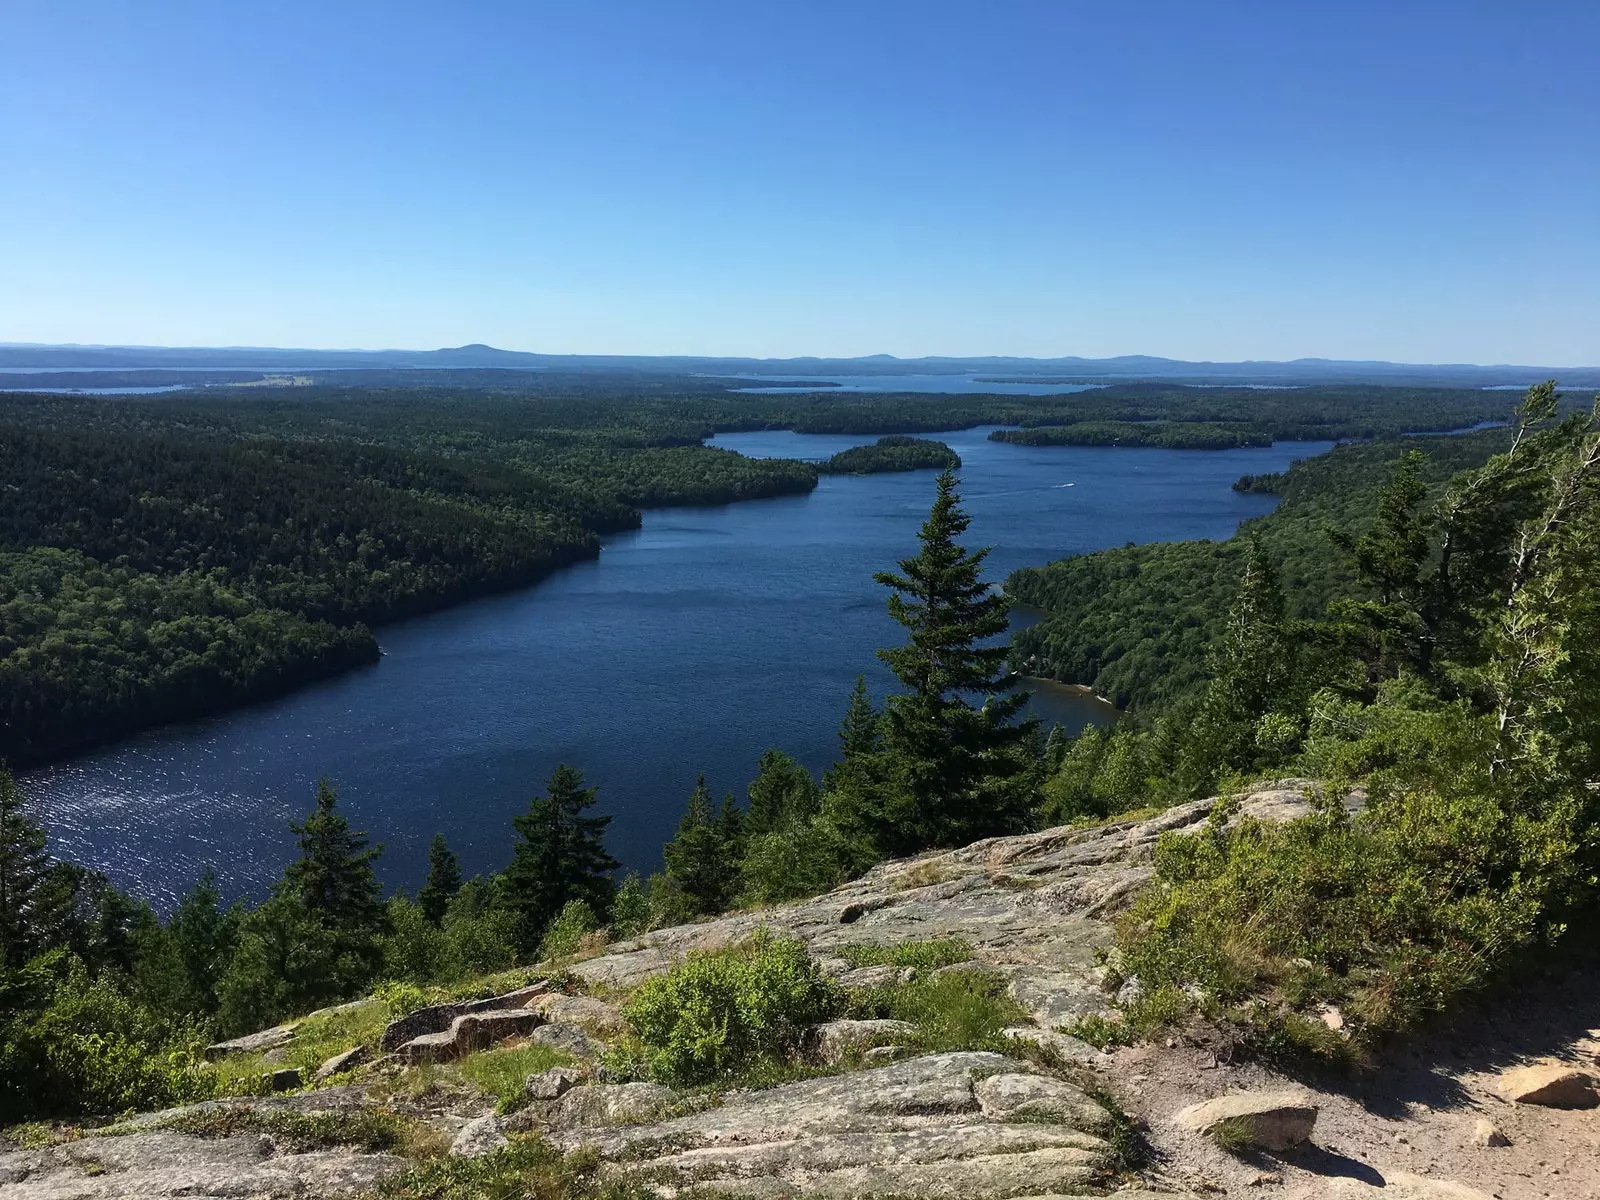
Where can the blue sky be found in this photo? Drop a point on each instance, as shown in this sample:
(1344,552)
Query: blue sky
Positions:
(1412,181)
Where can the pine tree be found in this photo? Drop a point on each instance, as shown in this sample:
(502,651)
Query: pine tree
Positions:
(444,880)
(697,857)
(24,875)
(960,771)
(560,857)
(333,876)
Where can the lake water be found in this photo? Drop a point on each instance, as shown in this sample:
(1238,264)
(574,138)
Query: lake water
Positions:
(690,645)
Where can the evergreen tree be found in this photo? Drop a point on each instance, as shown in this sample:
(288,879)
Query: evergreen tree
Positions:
(1055,749)
(24,871)
(560,857)
(204,936)
(444,880)
(333,876)
(960,771)
(697,857)
(782,794)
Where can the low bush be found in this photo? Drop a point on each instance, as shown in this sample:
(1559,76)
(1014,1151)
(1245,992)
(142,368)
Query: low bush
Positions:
(718,1013)
(960,1010)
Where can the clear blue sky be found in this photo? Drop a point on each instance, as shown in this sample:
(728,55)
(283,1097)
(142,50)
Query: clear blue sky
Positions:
(1412,181)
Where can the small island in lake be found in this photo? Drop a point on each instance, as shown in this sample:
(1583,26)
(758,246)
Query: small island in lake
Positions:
(1168,435)
(893,453)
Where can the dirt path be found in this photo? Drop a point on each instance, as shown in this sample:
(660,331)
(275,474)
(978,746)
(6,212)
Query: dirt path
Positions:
(1415,1112)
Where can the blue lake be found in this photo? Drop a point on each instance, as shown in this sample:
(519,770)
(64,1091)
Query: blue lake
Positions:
(690,645)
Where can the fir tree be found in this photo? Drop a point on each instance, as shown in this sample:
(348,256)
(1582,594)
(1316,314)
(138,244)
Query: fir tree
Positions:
(560,857)
(24,877)
(697,857)
(782,794)
(960,771)
(333,876)
(204,935)
(444,880)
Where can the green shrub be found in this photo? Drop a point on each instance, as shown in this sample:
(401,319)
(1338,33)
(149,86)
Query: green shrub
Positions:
(565,936)
(93,1050)
(961,1010)
(718,1013)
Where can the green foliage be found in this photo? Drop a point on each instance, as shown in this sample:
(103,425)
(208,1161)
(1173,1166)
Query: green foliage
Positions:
(959,1010)
(501,1073)
(717,1013)
(565,935)
(1169,435)
(630,911)
(1137,624)
(894,453)
(444,880)
(73,1046)
(24,873)
(949,772)
(699,854)
(560,857)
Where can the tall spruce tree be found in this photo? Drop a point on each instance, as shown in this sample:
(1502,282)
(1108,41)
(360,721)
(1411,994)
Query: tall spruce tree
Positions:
(333,876)
(204,935)
(24,877)
(443,882)
(560,857)
(698,857)
(960,770)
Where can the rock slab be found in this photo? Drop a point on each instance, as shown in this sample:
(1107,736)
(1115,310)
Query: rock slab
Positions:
(1554,1085)
(1269,1120)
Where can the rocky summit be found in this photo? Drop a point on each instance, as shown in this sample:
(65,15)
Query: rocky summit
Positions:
(868,1115)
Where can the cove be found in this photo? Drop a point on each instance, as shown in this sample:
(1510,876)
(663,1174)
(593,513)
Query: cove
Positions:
(688,646)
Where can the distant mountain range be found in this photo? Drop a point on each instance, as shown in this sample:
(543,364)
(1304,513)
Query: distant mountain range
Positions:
(1124,367)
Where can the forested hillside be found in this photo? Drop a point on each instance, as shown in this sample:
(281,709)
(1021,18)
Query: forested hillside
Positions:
(250,533)
(1136,623)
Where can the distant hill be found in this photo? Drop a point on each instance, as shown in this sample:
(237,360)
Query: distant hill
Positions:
(1123,367)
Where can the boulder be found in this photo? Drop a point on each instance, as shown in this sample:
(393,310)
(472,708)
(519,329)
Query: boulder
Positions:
(833,1042)
(1551,1084)
(436,1018)
(1486,1133)
(1268,1120)
(874,977)
(251,1043)
(879,1055)
(483,1135)
(612,1104)
(346,1061)
(595,1017)
(1026,1097)
(286,1079)
(551,1084)
(569,1039)
(428,1048)
(1064,1046)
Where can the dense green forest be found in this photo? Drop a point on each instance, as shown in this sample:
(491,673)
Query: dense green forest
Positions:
(1136,623)
(893,453)
(1168,435)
